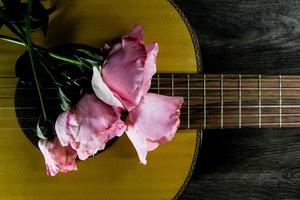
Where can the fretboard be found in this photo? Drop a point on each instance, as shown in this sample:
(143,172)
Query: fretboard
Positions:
(233,101)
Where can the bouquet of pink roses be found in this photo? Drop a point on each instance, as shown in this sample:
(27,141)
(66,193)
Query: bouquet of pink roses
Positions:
(118,102)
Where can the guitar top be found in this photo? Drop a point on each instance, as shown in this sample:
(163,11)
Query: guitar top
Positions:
(116,172)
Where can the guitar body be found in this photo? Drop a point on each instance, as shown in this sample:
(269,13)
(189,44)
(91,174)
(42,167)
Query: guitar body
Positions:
(115,173)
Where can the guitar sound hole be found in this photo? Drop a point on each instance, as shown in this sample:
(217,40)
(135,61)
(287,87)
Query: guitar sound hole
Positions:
(27,103)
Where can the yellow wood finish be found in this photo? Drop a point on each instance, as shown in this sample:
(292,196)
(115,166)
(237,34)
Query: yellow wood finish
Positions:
(96,22)
(115,173)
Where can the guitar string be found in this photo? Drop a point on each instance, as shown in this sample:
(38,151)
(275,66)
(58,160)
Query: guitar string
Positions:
(200,80)
(211,99)
(211,115)
(216,88)
(209,126)
(175,88)
(229,77)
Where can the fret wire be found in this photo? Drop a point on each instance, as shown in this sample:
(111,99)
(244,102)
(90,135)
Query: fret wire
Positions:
(240,100)
(259,101)
(280,102)
(222,100)
(188,99)
(172,85)
(158,84)
(204,101)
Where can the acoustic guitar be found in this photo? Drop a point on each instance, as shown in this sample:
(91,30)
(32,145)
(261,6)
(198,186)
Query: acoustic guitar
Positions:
(116,172)
(211,101)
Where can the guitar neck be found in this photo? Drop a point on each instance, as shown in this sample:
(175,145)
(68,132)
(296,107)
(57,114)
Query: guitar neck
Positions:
(217,101)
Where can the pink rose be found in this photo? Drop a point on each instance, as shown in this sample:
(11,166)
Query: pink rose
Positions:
(127,71)
(153,122)
(57,157)
(123,82)
(88,126)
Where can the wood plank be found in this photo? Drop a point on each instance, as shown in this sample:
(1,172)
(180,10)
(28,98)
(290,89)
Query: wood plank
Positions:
(247,37)
(260,164)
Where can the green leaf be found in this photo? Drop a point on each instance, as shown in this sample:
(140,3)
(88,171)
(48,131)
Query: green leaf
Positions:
(89,58)
(40,131)
(92,55)
(64,100)
(1,3)
(87,63)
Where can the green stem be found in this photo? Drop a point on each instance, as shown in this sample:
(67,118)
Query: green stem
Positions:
(30,51)
(12,40)
(40,49)
(15,41)
(68,60)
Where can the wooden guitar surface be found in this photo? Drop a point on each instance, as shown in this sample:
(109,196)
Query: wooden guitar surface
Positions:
(115,173)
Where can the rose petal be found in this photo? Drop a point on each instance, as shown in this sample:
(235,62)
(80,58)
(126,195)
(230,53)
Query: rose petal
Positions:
(157,117)
(66,128)
(137,32)
(95,143)
(98,124)
(129,67)
(102,91)
(152,145)
(123,71)
(139,142)
(57,157)
(150,66)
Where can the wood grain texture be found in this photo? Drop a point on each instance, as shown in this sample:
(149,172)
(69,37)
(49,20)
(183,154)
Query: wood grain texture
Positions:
(247,37)
(116,174)
(233,100)
(260,164)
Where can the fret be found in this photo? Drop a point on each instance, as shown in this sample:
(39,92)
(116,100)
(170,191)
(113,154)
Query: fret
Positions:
(259,101)
(204,101)
(188,99)
(233,101)
(172,84)
(222,100)
(240,100)
(280,101)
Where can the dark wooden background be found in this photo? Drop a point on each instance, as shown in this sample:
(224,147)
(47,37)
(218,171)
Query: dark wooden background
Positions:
(258,36)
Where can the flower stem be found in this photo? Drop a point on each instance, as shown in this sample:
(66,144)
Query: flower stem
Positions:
(31,55)
(68,60)
(12,40)
(40,49)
